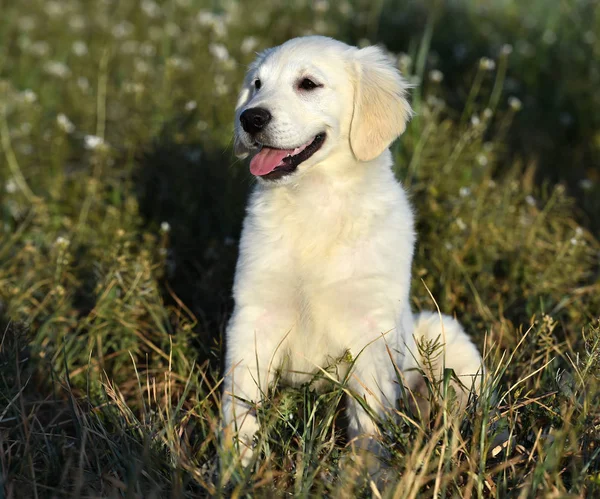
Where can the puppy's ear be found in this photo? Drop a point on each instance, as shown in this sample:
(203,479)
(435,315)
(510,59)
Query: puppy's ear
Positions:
(246,93)
(380,106)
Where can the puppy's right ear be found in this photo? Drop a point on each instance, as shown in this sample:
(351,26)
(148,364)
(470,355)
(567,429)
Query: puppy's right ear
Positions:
(246,93)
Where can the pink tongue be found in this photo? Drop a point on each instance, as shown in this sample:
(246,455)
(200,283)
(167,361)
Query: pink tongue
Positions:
(267,159)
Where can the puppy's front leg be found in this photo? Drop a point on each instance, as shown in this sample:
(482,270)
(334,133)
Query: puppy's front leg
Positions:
(255,337)
(374,392)
(363,321)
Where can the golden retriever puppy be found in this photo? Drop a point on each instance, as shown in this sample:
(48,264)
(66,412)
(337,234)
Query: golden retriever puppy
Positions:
(326,250)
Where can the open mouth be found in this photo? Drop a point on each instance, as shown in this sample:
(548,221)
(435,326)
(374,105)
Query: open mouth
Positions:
(272,164)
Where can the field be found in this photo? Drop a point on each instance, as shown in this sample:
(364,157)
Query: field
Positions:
(120,209)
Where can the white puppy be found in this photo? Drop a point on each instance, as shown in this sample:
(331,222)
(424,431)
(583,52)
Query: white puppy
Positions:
(327,244)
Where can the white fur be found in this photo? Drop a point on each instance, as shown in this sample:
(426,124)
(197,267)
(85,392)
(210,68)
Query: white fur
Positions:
(326,252)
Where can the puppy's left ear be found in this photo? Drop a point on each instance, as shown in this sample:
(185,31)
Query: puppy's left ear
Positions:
(381,110)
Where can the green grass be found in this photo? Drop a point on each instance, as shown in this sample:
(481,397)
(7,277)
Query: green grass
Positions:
(121,205)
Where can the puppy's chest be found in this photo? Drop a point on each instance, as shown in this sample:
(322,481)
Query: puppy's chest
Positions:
(318,233)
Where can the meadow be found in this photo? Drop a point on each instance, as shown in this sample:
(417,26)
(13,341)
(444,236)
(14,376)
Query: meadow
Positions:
(120,209)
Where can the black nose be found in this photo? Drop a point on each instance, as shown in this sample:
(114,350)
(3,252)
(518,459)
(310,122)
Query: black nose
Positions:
(255,119)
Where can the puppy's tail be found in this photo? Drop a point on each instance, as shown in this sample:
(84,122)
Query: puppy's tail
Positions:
(443,344)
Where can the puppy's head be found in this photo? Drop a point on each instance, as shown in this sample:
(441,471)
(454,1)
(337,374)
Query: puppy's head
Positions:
(313,97)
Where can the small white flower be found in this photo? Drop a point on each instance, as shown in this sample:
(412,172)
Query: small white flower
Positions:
(122,30)
(345,8)
(150,8)
(464,192)
(41,48)
(54,9)
(586,184)
(434,102)
(482,159)
(460,224)
(514,103)
(549,37)
(58,69)
(506,49)
(65,123)
(165,227)
(487,64)
(436,76)
(487,113)
(589,37)
(62,241)
(26,23)
(414,80)
(404,62)
(249,44)
(147,49)
(172,30)
(25,149)
(77,23)
(525,48)
(213,21)
(132,87)
(219,51)
(28,96)
(578,232)
(530,200)
(191,105)
(141,66)
(83,84)
(475,121)
(79,48)
(10,186)
(321,6)
(202,125)
(93,142)
(179,63)
(205,18)
(221,87)
(573,241)
(448,245)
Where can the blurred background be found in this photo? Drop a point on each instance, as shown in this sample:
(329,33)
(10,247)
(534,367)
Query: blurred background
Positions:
(121,202)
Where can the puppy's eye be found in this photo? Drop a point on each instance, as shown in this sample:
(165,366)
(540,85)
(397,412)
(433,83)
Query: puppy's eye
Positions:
(308,84)
(257,84)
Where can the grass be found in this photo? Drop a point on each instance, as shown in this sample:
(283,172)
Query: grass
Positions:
(120,211)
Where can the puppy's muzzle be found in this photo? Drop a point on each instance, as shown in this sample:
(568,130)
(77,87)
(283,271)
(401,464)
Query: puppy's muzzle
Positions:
(253,120)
